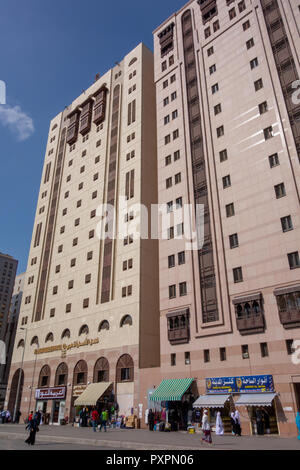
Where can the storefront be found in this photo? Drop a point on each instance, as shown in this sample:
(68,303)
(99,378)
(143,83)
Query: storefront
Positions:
(51,402)
(99,395)
(176,397)
(255,394)
(215,403)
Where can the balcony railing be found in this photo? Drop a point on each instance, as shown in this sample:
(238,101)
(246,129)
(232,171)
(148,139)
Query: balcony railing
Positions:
(290,318)
(251,324)
(179,335)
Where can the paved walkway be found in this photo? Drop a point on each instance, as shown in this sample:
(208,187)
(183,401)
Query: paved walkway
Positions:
(142,439)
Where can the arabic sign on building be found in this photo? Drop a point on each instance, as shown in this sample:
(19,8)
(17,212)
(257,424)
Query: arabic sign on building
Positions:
(241,384)
(78,390)
(67,347)
(52,393)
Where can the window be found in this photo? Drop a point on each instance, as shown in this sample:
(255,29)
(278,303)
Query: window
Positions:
(89,255)
(88,278)
(254,63)
(264,349)
(166,101)
(175,134)
(215,88)
(237,275)
(286,223)
(187,358)
(280,190)
(171,60)
(182,289)
(174,96)
(179,203)
(294,260)
(232,13)
(70,284)
(289,346)
(242,6)
(230,210)
(170,233)
(164,66)
(268,133)
(212,69)
(171,261)
(181,257)
(167,139)
(166,119)
(173,359)
(174,114)
(176,155)
(250,43)
(246,25)
(165,84)
(178,178)
(172,292)
(217,109)
(168,160)
(245,351)
(207,32)
(226,182)
(73,262)
(263,107)
(223,155)
(220,131)
(234,241)
(210,51)
(173,78)
(222,354)
(274,160)
(216,26)
(85,303)
(206,355)
(258,85)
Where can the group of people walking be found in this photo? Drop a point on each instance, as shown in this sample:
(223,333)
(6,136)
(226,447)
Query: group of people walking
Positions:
(97,419)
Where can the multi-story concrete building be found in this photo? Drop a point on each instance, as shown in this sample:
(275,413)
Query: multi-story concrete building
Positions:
(90,311)
(8,268)
(229,139)
(12,322)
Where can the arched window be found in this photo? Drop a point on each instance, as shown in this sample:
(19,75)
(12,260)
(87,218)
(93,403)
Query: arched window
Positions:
(80,373)
(132,61)
(65,334)
(49,337)
(84,330)
(104,325)
(125,369)
(35,341)
(61,375)
(21,343)
(256,307)
(126,320)
(14,389)
(44,378)
(101,370)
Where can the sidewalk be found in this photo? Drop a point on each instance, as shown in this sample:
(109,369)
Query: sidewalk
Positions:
(141,439)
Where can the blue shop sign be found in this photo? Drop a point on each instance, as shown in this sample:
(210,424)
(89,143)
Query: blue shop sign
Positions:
(241,384)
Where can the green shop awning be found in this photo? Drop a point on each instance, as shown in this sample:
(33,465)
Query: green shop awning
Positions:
(171,390)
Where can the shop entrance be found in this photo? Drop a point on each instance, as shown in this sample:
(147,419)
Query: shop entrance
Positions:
(263,420)
(225,416)
(297,395)
(55,411)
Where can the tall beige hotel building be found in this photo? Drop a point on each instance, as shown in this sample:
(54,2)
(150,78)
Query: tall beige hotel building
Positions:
(157,323)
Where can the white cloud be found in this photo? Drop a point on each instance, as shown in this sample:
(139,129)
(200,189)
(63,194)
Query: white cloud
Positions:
(17,121)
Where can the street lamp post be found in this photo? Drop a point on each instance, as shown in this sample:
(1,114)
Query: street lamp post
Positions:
(32,381)
(19,378)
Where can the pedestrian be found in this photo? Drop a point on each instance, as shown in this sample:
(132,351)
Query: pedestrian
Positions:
(237,423)
(151,420)
(38,417)
(33,428)
(95,419)
(298,423)
(3,416)
(232,421)
(104,418)
(18,415)
(206,428)
(219,425)
(259,422)
(7,417)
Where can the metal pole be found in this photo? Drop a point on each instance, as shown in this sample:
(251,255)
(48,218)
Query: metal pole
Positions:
(32,382)
(20,375)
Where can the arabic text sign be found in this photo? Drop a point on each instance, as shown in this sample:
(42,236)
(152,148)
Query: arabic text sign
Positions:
(241,384)
(52,393)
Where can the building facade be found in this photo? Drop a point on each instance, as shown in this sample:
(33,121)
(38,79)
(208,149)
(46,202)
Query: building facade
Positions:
(8,269)
(228,135)
(90,310)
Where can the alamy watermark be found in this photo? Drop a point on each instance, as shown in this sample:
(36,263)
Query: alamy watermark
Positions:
(2,92)
(2,353)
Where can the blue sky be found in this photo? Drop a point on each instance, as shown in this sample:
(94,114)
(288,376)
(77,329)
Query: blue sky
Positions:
(50,52)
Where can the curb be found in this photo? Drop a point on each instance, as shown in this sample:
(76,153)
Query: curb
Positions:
(98,443)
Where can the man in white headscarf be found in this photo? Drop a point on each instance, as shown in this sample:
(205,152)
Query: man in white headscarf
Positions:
(219,425)
(206,428)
